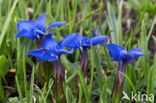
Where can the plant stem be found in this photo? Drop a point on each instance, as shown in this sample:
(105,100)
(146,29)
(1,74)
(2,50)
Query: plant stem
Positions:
(2,96)
(84,61)
(84,66)
(118,83)
(58,81)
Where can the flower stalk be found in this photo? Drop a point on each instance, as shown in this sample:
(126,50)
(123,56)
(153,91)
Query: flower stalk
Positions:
(118,83)
(124,57)
(58,80)
(83,65)
(84,61)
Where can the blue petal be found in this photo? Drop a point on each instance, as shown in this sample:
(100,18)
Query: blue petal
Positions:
(55,25)
(62,51)
(95,33)
(67,39)
(136,52)
(49,42)
(25,25)
(42,55)
(127,57)
(115,51)
(99,40)
(86,42)
(41,21)
(135,49)
(25,33)
(71,41)
(40,33)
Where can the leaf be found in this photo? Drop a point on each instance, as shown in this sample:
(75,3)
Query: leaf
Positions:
(69,95)
(19,89)
(100,79)
(4,66)
(84,85)
(6,24)
(13,100)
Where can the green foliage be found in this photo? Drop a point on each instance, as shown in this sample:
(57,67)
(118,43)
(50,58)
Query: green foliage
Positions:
(4,66)
(129,23)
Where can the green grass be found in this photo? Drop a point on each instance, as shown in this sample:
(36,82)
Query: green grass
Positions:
(81,16)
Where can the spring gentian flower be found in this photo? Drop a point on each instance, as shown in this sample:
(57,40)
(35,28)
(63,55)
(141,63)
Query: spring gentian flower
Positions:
(35,29)
(76,41)
(120,54)
(84,43)
(51,51)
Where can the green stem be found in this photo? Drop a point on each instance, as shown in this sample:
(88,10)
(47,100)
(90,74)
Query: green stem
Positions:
(118,83)
(84,67)
(58,81)
(2,97)
(84,61)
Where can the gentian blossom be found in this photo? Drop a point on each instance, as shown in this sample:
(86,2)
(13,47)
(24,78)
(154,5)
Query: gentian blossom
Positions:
(76,41)
(35,29)
(51,51)
(120,54)
(81,42)
(84,43)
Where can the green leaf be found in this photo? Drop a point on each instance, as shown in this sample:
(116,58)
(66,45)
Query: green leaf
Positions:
(6,24)
(100,79)
(69,96)
(13,100)
(84,86)
(4,66)
(112,22)
(19,89)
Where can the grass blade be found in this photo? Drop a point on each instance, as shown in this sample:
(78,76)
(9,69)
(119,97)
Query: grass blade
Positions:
(25,77)
(19,90)
(84,86)
(130,82)
(31,86)
(6,24)
(2,97)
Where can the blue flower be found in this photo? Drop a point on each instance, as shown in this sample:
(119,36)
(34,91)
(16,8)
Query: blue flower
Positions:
(33,29)
(119,53)
(78,41)
(51,50)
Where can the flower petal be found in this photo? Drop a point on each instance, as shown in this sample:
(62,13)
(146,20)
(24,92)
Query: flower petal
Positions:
(59,23)
(25,25)
(49,42)
(95,33)
(63,51)
(71,41)
(25,33)
(42,55)
(99,40)
(86,42)
(136,52)
(135,49)
(115,51)
(41,21)
(127,57)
